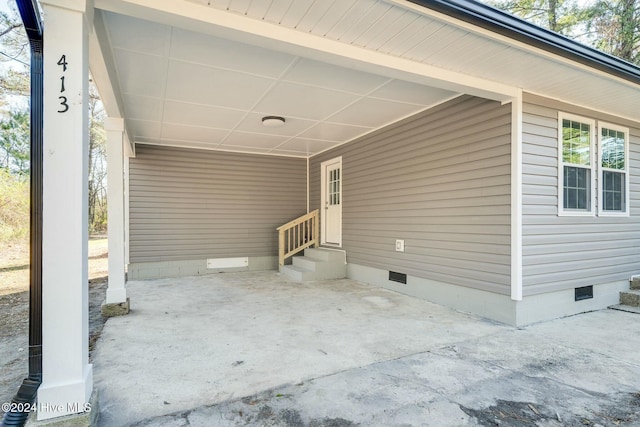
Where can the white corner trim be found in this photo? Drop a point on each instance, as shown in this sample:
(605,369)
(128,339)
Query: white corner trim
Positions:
(516,198)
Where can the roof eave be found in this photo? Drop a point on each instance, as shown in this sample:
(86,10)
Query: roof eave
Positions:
(502,23)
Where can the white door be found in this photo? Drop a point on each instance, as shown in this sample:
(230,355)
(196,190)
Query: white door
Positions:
(332,202)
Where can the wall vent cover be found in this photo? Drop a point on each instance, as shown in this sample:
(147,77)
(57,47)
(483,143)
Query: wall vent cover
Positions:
(585,292)
(394,276)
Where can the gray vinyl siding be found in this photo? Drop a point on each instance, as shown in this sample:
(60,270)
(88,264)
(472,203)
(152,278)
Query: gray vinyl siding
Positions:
(440,180)
(195,204)
(564,252)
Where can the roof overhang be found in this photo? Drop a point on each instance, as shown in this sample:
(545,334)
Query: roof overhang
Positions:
(499,22)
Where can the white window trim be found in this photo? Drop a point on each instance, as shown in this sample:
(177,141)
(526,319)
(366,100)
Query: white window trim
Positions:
(592,159)
(601,170)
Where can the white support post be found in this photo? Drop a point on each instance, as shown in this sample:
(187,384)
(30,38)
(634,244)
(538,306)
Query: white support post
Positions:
(116,291)
(67,377)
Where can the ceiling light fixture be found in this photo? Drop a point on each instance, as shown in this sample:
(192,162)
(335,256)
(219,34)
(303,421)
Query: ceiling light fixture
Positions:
(273,121)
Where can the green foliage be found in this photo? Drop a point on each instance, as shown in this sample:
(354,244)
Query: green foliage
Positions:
(14,61)
(15,83)
(612,26)
(14,207)
(616,24)
(97,165)
(565,17)
(14,142)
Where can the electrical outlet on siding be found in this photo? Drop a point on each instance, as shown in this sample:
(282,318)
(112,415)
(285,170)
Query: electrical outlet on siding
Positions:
(399,245)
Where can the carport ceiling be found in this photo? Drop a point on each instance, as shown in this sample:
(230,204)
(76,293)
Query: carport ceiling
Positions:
(188,89)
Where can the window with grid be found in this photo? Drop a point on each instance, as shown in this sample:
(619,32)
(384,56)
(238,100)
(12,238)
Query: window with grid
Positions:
(613,169)
(334,187)
(576,165)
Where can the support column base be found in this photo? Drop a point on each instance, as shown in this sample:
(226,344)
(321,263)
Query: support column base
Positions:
(88,418)
(115,309)
(116,294)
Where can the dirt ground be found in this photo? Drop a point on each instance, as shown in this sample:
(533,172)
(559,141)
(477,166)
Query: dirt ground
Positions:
(14,308)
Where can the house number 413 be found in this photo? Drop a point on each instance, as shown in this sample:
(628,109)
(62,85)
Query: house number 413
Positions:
(64,107)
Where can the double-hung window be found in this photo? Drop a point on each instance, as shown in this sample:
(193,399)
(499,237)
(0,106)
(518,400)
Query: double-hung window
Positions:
(579,165)
(576,165)
(614,170)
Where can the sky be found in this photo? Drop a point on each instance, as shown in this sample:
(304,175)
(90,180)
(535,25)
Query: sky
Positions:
(4,5)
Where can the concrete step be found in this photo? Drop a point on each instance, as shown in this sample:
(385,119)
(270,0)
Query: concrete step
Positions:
(309,263)
(326,272)
(298,274)
(322,254)
(317,264)
(627,308)
(635,283)
(331,270)
(631,298)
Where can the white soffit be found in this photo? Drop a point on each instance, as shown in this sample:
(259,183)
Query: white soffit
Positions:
(187,89)
(402,29)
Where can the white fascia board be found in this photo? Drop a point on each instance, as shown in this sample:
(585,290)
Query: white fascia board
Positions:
(215,22)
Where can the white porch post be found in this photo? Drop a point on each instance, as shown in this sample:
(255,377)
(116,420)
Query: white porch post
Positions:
(67,377)
(116,292)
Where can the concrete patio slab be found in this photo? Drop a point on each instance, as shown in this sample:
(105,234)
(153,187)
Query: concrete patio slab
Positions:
(256,349)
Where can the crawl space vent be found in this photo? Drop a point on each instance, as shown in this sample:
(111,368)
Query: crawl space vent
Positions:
(394,276)
(584,292)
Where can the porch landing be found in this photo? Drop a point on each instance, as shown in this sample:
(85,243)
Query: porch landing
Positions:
(192,347)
